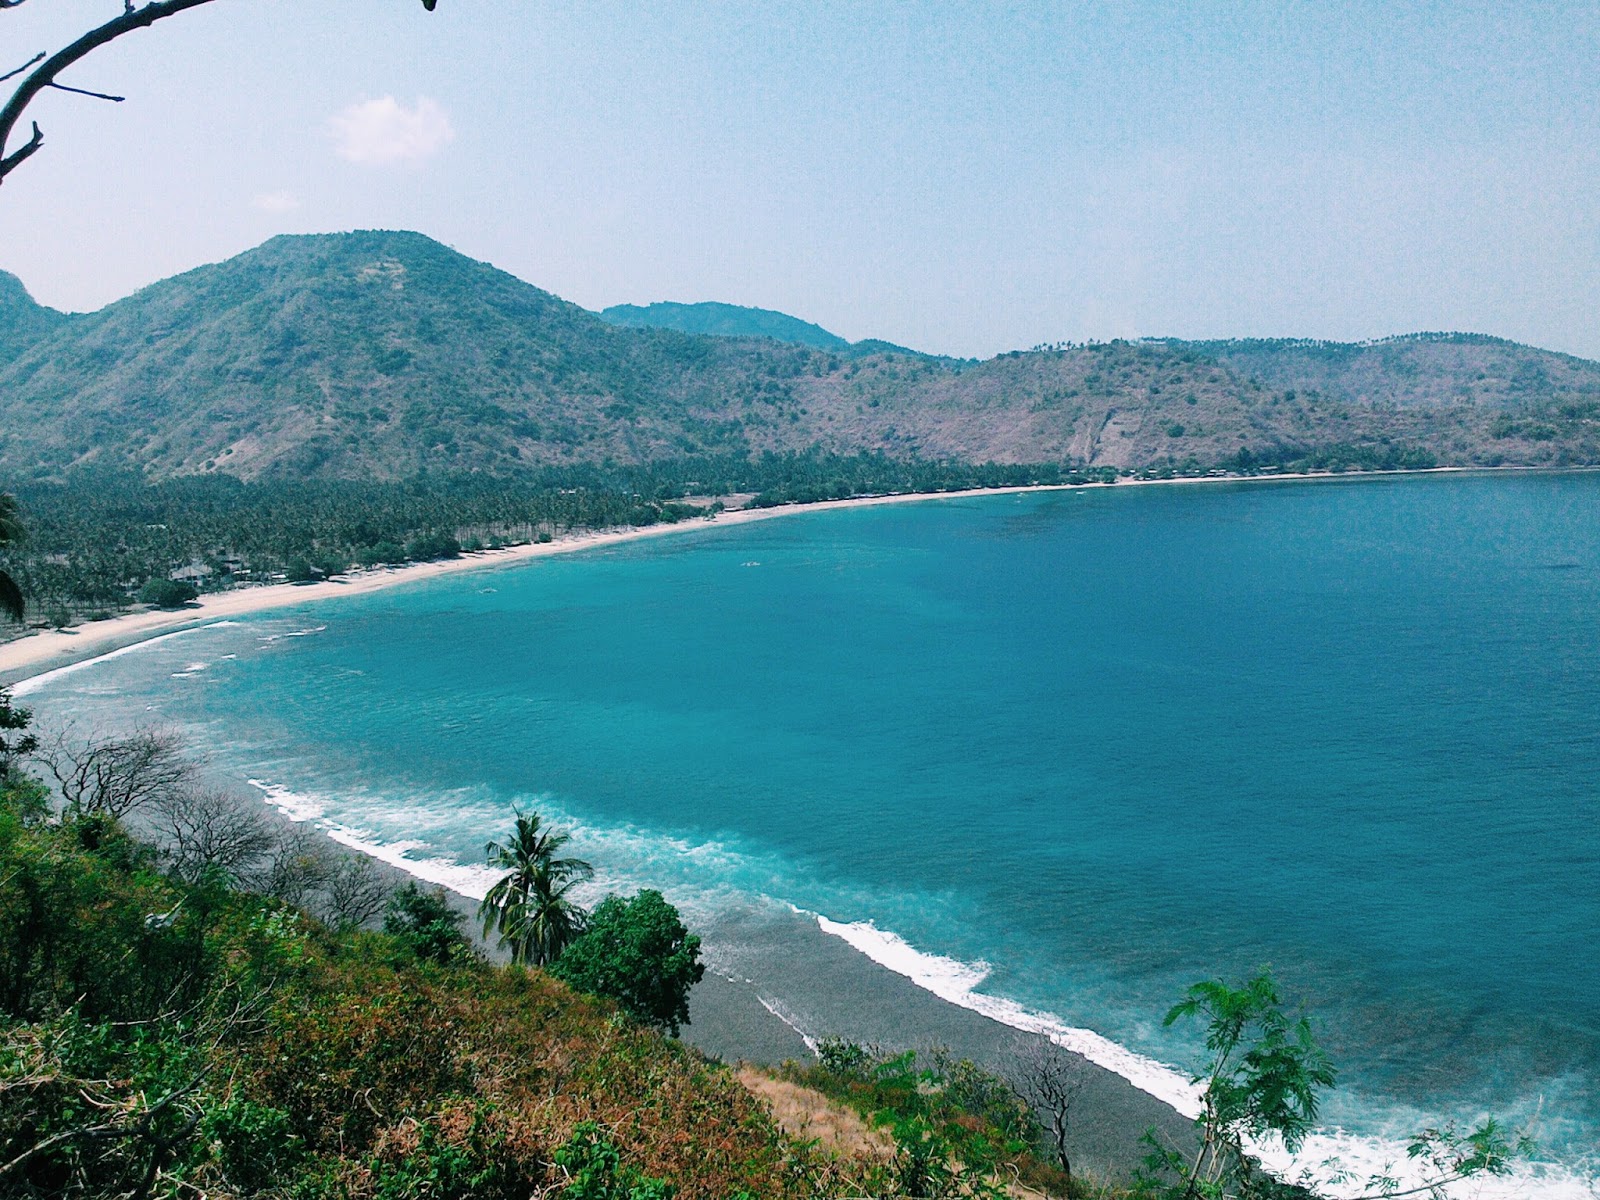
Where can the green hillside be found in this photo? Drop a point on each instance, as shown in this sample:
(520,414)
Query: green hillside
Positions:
(725,320)
(23,320)
(731,320)
(378,355)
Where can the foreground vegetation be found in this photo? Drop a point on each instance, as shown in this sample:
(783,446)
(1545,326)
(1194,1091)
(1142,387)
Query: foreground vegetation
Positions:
(166,1030)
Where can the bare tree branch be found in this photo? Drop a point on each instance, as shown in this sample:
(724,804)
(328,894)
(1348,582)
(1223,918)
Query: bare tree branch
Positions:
(1051,1078)
(12,161)
(297,867)
(117,776)
(44,76)
(39,57)
(208,830)
(355,894)
(61,87)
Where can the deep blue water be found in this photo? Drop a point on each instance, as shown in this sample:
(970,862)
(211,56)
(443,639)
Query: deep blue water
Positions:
(1105,742)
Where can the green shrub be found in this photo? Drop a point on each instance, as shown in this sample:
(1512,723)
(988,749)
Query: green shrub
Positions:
(252,1144)
(167,593)
(426,924)
(638,953)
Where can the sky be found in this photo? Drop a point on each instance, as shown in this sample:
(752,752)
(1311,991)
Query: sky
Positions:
(960,178)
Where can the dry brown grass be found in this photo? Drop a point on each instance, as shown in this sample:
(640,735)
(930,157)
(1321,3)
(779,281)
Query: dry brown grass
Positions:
(807,1114)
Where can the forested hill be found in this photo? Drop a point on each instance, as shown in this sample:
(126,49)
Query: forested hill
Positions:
(733,320)
(23,321)
(379,355)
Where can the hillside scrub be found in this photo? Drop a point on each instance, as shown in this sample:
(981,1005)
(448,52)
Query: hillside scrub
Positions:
(169,1029)
(159,1037)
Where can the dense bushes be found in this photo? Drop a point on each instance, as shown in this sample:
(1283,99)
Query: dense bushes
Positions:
(167,593)
(638,953)
(153,1030)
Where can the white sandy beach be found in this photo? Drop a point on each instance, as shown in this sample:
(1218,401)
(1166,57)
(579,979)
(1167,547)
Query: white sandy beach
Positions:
(43,651)
(47,650)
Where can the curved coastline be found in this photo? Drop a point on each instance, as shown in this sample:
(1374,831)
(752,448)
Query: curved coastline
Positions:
(31,656)
(121,635)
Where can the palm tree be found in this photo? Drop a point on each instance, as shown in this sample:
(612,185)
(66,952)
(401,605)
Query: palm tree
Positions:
(10,533)
(531,906)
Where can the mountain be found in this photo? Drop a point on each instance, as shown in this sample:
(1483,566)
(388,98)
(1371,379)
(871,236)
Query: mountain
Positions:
(732,320)
(23,320)
(381,354)
(724,320)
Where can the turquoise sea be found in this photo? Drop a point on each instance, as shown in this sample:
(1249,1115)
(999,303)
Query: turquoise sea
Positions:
(1054,756)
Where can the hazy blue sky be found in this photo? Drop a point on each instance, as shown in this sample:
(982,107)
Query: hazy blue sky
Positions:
(961,178)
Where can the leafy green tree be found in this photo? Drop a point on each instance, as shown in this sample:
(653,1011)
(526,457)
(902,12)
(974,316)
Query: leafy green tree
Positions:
(16,743)
(531,907)
(167,593)
(10,533)
(426,924)
(638,953)
(1260,1081)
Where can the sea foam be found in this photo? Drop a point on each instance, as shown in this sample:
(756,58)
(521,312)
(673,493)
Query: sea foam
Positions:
(1334,1161)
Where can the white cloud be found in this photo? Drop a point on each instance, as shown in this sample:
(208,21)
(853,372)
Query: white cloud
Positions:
(383,131)
(276,202)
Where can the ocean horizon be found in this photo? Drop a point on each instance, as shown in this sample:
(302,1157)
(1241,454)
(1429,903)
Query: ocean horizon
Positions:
(1050,756)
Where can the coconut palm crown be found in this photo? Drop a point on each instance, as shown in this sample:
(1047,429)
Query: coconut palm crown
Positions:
(10,533)
(531,906)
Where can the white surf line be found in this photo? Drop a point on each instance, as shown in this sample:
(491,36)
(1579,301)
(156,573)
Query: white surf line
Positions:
(470,881)
(1339,1163)
(36,682)
(778,1009)
(956,982)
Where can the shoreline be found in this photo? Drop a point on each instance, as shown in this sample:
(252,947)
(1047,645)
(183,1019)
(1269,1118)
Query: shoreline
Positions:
(35,654)
(731,1020)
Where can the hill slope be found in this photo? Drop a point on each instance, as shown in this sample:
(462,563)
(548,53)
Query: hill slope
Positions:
(378,355)
(23,320)
(724,320)
(732,320)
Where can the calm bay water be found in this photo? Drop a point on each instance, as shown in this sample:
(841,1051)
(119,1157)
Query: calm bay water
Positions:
(1074,750)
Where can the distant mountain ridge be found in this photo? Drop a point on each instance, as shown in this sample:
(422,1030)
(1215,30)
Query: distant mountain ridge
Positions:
(714,319)
(384,354)
(23,320)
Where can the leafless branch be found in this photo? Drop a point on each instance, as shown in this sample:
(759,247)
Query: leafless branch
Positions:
(206,830)
(354,895)
(61,87)
(117,776)
(44,75)
(297,866)
(1051,1078)
(39,57)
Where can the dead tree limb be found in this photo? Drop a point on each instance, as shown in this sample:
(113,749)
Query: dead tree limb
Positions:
(44,74)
